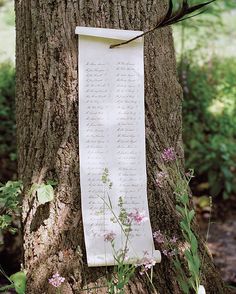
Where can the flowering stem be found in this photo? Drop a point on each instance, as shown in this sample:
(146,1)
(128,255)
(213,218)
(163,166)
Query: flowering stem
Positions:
(117,219)
(150,280)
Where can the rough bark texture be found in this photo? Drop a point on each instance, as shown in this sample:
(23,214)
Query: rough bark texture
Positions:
(47,101)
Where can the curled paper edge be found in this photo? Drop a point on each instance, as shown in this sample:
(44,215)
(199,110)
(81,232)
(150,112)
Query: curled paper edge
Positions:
(108,33)
(201,290)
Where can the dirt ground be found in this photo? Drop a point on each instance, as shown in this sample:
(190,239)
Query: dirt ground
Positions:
(222,237)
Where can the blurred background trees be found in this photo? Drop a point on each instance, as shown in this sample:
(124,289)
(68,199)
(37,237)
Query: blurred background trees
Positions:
(206,51)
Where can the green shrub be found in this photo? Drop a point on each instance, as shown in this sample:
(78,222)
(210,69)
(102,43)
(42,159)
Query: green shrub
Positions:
(9,16)
(9,204)
(7,119)
(209,114)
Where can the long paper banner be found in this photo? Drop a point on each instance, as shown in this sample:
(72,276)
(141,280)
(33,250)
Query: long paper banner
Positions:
(112,136)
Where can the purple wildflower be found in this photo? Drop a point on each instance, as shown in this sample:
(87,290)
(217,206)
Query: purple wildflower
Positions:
(56,280)
(146,263)
(158,237)
(168,253)
(173,240)
(109,237)
(165,252)
(137,217)
(160,179)
(168,154)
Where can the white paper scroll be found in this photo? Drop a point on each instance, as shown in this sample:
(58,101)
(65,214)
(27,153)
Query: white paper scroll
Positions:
(112,136)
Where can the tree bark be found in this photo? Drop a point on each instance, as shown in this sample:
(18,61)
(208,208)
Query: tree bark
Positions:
(47,132)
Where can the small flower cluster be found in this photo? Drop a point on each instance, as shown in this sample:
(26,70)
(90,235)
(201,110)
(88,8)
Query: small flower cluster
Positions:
(161,240)
(158,237)
(146,263)
(137,217)
(109,237)
(169,253)
(161,178)
(168,154)
(56,280)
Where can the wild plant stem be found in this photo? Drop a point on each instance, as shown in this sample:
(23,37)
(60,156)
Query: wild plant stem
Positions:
(117,219)
(4,274)
(7,287)
(207,234)
(150,280)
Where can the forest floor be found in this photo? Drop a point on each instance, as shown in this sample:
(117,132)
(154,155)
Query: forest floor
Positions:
(222,237)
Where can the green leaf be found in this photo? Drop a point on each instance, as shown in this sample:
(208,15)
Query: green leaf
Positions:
(193,267)
(19,280)
(51,182)
(183,285)
(5,221)
(188,255)
(191,215)
(184,226)
(194,243)
(180,210)
(184,199)
(45,193)
(197,262)
(33,189)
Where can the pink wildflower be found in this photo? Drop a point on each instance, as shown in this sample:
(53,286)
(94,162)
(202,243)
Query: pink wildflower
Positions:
(160,179)
(168,154)
(56,280)
(109,237)
(168,253)
(158,237)
(173,240)
(146,263)
(137,217)
(165,252)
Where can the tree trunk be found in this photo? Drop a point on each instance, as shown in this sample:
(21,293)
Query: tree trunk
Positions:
(47,131)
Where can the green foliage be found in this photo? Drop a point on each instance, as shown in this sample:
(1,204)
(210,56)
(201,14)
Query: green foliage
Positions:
(7,116)
(121,275)
(9,17)
(105,178)
(9,204)
(192,280)
(123,270)
(17,282)
(9,195)
(44,192)
(209,113)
